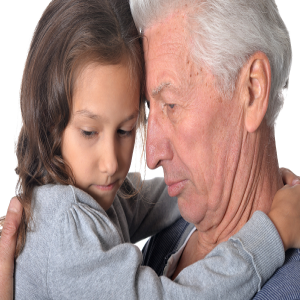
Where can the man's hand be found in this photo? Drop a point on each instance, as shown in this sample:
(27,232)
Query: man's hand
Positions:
(8,248)
(285,210)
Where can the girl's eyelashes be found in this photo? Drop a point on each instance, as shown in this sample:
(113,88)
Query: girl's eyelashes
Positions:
(88,134)
(124,133)
(91,134)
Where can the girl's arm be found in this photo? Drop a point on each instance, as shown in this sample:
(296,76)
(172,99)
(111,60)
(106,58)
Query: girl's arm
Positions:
(150,210)
(8,247)
(107,269)
(82,254)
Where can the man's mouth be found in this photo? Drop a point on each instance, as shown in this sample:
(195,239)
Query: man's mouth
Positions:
(175,188)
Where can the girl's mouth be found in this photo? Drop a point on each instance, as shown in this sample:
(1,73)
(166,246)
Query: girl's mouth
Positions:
(106,187)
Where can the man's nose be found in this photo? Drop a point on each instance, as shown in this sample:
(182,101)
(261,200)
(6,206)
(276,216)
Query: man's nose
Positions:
(108,162)
(158,146)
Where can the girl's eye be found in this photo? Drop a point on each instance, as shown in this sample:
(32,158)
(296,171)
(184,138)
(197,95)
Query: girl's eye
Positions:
(88,134)
(124,133)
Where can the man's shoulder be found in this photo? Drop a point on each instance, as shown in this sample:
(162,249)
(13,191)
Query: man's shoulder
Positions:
(285,283)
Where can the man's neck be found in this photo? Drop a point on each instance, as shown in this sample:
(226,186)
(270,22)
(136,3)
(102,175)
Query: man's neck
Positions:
(252,187)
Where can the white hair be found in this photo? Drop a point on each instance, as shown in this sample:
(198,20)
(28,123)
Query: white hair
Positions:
(225,35)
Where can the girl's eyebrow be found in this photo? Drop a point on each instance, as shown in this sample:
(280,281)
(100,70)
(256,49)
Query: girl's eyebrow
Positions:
(133,116)
(88,114)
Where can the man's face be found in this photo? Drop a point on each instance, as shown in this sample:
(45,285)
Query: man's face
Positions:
(191,128)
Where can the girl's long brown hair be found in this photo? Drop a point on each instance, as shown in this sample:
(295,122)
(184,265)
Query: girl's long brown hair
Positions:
(70,34)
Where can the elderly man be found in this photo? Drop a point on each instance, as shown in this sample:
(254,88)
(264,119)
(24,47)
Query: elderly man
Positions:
(215,71)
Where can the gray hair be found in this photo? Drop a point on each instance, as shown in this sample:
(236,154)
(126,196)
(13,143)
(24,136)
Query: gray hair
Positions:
(226,33)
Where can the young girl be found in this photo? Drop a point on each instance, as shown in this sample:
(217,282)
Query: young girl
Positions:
(81,107)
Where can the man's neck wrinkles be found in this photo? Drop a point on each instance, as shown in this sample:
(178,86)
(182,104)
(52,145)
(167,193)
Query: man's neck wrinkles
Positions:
(248,187)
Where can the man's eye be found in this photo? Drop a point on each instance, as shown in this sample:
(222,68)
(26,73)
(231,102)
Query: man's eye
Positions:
(170,107)
(172,111)
(88,134)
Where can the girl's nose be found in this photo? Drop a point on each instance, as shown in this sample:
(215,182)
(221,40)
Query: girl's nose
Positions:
(109,161)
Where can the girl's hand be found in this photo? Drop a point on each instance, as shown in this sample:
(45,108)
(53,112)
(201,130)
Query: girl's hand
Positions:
(285,210)
(288,177)
(7,248)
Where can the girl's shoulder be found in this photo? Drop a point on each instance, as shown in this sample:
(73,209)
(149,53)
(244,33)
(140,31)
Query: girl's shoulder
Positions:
(67,226)
(54,202)
(59,211)
(62,197)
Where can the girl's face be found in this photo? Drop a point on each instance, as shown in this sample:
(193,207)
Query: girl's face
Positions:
(98,141)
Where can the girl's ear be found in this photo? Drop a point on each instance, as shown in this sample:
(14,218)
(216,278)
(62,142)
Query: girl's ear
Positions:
(258,83)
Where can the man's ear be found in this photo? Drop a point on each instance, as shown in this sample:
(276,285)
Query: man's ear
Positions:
(257,76)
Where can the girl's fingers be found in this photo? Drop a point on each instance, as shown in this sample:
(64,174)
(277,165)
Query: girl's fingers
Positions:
(289,177)
(7,248)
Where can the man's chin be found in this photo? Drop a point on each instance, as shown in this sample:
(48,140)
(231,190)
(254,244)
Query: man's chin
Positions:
(190,210)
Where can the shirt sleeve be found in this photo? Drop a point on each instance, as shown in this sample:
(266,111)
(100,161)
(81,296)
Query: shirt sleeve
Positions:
(150,210)
(88,261)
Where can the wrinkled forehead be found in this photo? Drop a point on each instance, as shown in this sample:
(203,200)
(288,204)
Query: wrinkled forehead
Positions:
(167,46)
(169,34)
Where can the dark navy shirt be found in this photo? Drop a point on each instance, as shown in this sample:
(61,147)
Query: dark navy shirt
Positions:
(283,285)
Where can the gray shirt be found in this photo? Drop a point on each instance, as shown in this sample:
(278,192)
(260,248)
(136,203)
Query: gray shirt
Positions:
(76,250)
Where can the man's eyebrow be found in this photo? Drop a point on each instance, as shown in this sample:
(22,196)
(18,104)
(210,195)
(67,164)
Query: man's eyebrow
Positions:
(158,90)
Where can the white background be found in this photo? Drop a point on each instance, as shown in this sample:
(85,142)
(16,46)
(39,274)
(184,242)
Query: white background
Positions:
(17,22)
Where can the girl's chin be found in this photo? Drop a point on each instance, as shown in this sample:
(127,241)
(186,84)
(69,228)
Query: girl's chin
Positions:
(104,198)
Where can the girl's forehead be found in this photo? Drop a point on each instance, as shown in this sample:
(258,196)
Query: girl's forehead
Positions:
(109,80)
(106,90)
(85,74)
